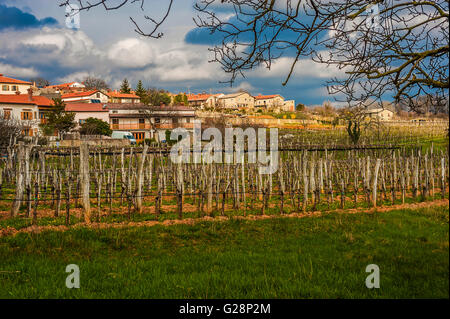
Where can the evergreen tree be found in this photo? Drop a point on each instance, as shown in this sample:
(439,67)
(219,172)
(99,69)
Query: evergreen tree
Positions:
(125,87)
(140,91)
(58,119)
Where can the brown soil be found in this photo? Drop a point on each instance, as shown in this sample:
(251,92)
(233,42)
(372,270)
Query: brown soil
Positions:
(10,231)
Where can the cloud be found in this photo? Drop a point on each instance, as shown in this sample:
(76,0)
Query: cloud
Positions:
(14,18)
(131,53)
(243,86)
(17,71)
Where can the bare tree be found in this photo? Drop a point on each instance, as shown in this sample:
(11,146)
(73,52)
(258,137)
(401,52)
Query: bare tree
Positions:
(40,82)
(384,48)
(108,5)
(11,129)
(357,120)
(93,83)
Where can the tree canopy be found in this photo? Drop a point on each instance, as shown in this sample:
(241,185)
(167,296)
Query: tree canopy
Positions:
(140,91)
(398,48)
(58,119)
(125,87)
(94,126)
(92,83)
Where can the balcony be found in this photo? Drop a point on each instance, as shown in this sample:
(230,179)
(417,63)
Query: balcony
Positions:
(146,126)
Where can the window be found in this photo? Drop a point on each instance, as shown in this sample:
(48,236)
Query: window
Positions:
(81,121)
(139,136)
(115,121)
(5,87)
(14,88)
(98,95)
(6,114)
(157,120)
(26,115)
(27,132)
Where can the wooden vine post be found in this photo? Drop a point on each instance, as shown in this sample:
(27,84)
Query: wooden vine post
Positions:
(85,181)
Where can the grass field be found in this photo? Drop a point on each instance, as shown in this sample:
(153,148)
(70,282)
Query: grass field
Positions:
(318,257)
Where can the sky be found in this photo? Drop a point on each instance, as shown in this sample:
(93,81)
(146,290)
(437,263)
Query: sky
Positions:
(35,41)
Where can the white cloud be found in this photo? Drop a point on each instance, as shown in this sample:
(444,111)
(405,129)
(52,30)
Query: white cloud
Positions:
(243,86)
(131,53)
(10,70)
(304,68)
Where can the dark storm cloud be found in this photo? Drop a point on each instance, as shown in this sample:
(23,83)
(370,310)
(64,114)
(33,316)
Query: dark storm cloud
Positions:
(14,18)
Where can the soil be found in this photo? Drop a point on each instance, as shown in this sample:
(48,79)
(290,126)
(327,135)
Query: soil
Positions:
(10,231)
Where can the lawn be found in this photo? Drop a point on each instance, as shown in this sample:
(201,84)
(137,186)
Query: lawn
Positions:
(317,257)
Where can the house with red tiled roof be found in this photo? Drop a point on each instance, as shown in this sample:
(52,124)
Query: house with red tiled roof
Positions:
(269,101)
(203,100)
(274,102)
(67,87)
(83,111)
(92,96)
(30,110)
(118,97)
(145,121)
(238,100)
(11,86)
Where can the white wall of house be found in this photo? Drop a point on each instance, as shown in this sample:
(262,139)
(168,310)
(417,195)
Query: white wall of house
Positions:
(98,96)
(27,114)
(288,106)
(8,88)
(81,116)
(243,100)
(381,114)
(277,101)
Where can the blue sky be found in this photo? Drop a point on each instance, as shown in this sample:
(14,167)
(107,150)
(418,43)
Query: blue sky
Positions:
(34,41)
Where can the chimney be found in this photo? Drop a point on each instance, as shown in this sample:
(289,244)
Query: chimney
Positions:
(30,94)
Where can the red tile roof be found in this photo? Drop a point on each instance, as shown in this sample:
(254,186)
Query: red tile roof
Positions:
(4,79)
(64,85)
(86,107)
(23,99)
(198,97)
(79,94)
(265,97)
(123,95)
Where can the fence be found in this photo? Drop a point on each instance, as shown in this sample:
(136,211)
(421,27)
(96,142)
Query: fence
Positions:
(131,181)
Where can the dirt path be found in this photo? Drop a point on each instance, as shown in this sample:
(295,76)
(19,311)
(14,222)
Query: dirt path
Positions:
(10,231)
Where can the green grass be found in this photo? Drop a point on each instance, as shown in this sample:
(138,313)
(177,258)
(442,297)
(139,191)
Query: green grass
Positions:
(320,257)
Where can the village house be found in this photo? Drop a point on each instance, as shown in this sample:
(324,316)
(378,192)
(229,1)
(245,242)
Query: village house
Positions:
(147,121)
(203,100)
(117,97)
(11,86)
(30,110)
(381,114)
(240,100)
(67,87)
(83,111)
(92,96)
(269,102)
(288,106)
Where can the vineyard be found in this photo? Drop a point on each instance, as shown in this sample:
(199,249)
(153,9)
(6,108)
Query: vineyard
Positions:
(41,185)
